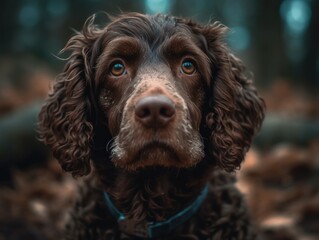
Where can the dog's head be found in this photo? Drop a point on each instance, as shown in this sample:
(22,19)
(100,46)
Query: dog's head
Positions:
(158,90)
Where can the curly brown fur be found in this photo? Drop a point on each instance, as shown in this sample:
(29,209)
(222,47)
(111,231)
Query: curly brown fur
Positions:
(223,215)
(152,169)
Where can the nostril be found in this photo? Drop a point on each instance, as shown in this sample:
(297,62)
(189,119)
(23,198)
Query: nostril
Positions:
(143,112)
(146,112)
(167,111)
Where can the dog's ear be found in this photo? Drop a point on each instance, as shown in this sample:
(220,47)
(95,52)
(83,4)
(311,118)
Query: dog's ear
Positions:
(235,111)
(65,121)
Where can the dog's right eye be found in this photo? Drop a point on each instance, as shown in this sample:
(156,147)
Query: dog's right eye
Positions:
(117,69)
(187,67)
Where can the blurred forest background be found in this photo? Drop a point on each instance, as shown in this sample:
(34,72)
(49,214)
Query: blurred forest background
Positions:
(277,39)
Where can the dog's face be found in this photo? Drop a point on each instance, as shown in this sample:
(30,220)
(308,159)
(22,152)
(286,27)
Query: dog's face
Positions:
(152,93)
(168,90)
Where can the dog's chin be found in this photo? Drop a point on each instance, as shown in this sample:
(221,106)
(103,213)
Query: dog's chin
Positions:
(154,155)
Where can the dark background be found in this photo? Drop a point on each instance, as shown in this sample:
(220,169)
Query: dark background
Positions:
(278,41)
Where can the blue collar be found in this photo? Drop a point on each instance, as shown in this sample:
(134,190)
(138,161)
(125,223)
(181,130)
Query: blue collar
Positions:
(154,229)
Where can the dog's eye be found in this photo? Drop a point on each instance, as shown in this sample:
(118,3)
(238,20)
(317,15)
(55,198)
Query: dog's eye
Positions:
(187,67)
(118,69)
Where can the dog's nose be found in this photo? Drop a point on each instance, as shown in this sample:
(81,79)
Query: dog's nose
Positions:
(155,111)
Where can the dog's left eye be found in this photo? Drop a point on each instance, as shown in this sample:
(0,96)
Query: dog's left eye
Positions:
(118,69)
(187,67)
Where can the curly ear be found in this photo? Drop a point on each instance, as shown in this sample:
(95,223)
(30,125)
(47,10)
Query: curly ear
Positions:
(65,121)
(235,110)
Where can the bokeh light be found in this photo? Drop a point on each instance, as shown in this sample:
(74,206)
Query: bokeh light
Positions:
(158,6)
(29,15)
(296,14)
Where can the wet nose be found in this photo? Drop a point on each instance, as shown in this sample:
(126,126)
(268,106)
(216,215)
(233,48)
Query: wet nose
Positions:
(155,111)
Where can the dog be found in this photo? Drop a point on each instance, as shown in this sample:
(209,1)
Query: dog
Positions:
(157,113)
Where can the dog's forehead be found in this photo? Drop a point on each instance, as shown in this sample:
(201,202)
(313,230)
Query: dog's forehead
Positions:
(152,29)
(155,37)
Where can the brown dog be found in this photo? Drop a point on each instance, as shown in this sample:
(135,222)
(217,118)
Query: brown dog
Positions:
(158,111)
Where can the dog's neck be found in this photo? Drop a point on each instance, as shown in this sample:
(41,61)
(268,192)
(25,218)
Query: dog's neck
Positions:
(154,194)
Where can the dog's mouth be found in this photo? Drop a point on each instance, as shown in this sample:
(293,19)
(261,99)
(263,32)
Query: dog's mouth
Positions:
(153,153)
(156,150)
